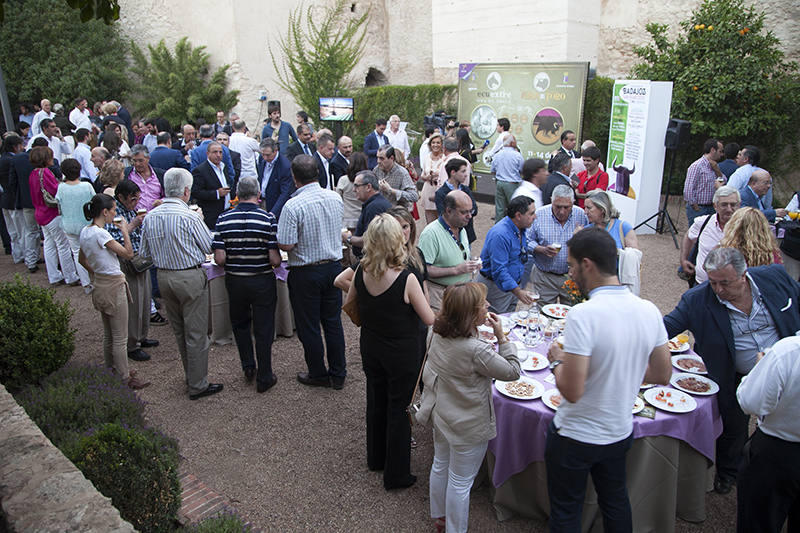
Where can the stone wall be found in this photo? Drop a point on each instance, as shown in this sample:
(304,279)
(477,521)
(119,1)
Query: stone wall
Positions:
(40,489)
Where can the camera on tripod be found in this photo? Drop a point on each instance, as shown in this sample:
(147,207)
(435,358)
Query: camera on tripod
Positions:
(439,120)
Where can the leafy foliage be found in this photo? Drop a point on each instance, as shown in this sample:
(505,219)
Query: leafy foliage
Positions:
(730,78)
(105,10)
(317,61)
(57,57)
(597,111)
(177,87)
(35,337)
(137,469)
(410,103)
(225,522)
(77,399)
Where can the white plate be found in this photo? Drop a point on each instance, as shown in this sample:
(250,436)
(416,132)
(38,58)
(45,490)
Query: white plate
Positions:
(535,361)
(647,386)
(682,348)
(638,406)
(675,377)
(487,333)
(538,388)
(547,398)
(556,310)
(681,402)
(676,358)
(517,320)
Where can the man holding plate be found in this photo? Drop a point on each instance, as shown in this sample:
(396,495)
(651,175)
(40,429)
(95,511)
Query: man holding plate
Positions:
(612,343)
(737,314)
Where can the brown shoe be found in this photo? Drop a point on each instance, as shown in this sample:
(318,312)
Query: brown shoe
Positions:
(137,384)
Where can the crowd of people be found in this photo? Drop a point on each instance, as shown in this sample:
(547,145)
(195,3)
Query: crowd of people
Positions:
(131,212)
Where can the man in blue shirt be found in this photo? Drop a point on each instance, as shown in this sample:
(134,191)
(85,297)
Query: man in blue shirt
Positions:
(504,255)
(507,170)
(373,141)
(547,241)
(278,130)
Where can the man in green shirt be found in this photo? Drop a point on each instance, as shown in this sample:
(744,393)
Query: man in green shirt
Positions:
(446,248)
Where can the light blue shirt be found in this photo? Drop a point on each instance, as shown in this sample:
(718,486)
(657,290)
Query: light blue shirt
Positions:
(507,165)
(312,220)
(546,229)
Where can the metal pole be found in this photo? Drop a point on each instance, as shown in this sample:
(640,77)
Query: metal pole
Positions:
(9,118)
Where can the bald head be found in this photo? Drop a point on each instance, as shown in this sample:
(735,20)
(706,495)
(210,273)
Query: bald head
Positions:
(457,209)
(760,181)
(345,145)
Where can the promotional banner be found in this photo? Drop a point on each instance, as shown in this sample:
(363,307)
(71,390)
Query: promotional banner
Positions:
(639,118)
(541,100)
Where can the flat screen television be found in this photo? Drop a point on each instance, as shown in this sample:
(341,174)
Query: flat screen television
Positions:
(336,109)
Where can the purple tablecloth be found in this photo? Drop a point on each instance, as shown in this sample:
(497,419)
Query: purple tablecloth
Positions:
(522,427)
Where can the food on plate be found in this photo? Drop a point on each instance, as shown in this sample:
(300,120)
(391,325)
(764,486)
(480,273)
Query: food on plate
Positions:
(675,345)
(555,399)
(694,384)
(558,311)
(520,388)
(488,335)
(688,363)
(667,398)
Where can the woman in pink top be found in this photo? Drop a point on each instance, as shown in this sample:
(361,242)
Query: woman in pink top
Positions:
(56,246)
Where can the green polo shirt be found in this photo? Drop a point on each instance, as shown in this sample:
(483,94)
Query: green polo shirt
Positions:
(440,250)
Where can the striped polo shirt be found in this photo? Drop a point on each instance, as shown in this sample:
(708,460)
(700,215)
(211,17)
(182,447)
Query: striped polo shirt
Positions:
(174,237)
(246,233)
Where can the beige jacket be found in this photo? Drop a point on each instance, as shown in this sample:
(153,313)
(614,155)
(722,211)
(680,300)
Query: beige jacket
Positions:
(458,387)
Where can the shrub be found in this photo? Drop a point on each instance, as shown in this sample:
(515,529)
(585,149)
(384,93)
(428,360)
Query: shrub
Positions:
(225,522)
(597,112)
(35,337)
(77,399)
(138,470)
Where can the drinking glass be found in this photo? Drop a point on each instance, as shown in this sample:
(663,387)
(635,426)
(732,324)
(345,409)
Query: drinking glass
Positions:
(474,274)
(533,334)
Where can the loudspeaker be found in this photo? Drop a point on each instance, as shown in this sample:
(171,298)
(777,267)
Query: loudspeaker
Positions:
(678,132)
(274,102)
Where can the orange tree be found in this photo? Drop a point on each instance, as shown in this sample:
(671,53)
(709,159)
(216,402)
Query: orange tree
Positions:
(730,78)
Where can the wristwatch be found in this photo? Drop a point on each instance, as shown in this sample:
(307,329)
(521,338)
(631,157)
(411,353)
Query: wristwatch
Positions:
(554,364)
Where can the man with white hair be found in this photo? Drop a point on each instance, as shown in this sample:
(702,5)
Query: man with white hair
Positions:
(507,169)
(177,240)
(397,137)
(547,240)
(36,125)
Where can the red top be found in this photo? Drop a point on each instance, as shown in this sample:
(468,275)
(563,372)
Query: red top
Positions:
(43,214)
(598,181)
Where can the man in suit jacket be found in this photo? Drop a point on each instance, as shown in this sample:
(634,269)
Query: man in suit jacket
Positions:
(18,175)
(212,189)
(165,157)
(186,144)
(274,178)
(719,313)
(560,176)
(753,195)
(302,145)
(568,141)
(341,159)
(236,158)
(373,141)
(198,155)
(325,147)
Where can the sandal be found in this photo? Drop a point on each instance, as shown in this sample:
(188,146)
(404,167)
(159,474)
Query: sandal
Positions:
(157,320)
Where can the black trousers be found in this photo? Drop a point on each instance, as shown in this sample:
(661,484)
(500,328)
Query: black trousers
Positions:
(734,434)
(768,489)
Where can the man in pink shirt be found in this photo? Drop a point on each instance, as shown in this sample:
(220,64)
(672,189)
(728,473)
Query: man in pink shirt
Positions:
(150,180)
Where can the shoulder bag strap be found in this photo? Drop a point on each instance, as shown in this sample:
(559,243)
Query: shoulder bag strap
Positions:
(421,369)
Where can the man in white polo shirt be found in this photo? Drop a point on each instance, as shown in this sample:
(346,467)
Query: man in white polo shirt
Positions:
(613,343)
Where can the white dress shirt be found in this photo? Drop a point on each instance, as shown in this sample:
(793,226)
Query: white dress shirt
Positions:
(36,127)
(222,177)
(59,147)
(399,141)
(526,188)
(81,120)
(83,155)
(248,148)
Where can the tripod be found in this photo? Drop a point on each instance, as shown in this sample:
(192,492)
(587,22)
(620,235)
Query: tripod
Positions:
(663,216)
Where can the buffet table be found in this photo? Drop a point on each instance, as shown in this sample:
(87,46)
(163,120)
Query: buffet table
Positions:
(219,320)
(667,467)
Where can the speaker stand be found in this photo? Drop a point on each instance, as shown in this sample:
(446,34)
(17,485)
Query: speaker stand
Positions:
(662,215)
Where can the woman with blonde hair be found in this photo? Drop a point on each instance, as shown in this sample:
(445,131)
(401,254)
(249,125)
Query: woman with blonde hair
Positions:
(110,175)
(430,176)
(390,302)
(748,231)
(457,400)
(602,213)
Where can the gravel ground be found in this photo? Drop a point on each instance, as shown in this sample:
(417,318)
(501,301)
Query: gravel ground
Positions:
(293,459)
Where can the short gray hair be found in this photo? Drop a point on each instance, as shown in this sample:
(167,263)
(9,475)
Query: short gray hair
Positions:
(137,149)
(369,177)
(210,145)
(239,125)
(206,131)
(268,142)
(507,140)
(163,138)
(719,258)
(563,191)
(176,180)
(602,200)
(725,191)
(248,188)
(450,144)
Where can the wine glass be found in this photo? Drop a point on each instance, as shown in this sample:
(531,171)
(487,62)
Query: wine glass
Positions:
(474,274)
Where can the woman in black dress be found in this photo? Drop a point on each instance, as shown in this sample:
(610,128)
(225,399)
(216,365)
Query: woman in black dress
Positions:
(390,301)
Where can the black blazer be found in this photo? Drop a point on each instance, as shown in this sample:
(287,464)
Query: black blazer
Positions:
(338,167)
(159,174)
(561,149)
(553,180)
(18,175)
(9,195)
(323,176)
(281,184)
(204,192)
(296,149)
(236,159)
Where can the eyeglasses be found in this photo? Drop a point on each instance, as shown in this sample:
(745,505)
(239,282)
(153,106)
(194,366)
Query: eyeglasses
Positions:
(357,185)
(464,212)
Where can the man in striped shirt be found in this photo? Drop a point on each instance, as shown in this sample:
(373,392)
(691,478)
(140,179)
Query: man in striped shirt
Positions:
(245,242)
(177,240)
(310,232)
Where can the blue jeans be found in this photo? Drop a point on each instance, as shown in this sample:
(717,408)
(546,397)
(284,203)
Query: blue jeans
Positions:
(691,214)
(315,300)
(569,463)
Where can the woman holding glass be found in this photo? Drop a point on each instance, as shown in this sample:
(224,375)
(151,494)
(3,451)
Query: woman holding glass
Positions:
(430,176)
(457,400)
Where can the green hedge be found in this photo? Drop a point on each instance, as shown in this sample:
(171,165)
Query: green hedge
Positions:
(410,103)
(597,112)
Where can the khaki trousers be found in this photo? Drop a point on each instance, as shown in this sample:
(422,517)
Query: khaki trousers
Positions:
(550,287)
(435,293)
(185,296)
(115,329)
(139,308)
